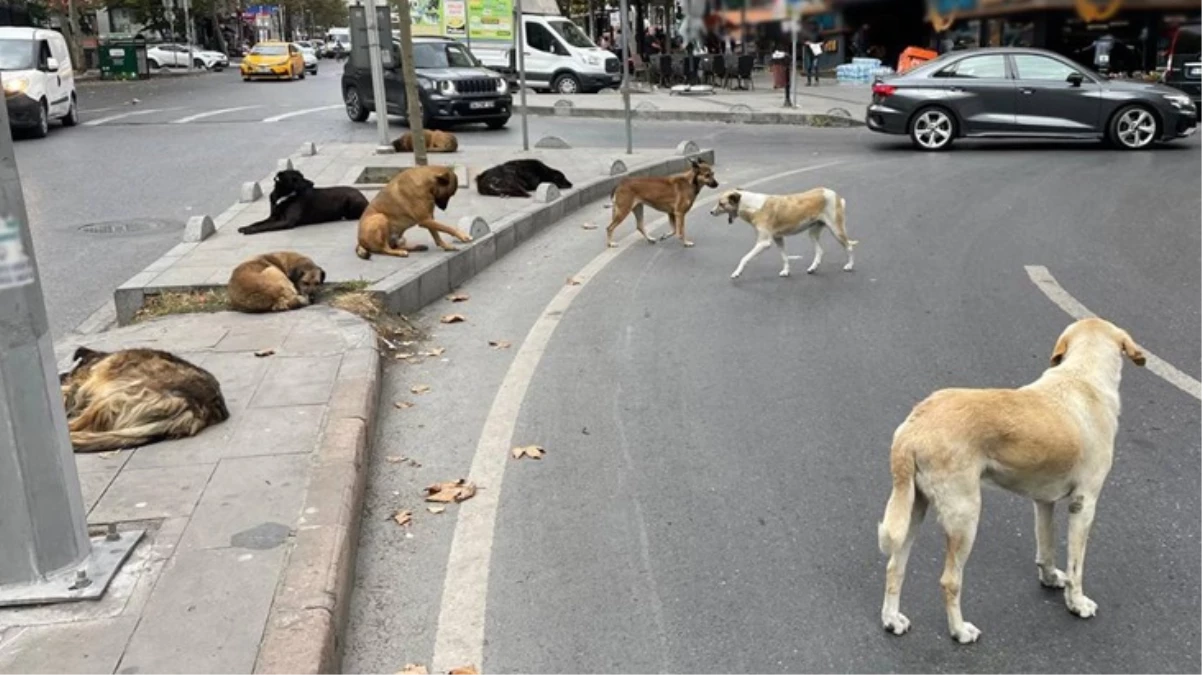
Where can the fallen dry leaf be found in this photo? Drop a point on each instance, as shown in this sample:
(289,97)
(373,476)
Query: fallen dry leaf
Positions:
(435,351)
(403,518)
(446,493)
(405,355)
(419,388)
(108,455)
(573,281)
(414,669)
(459,297)
(453,318)
(402,405)
(464,670)
(436,509)
(499,344)
(531,451)
(588,226)
(395,459)
(264,352)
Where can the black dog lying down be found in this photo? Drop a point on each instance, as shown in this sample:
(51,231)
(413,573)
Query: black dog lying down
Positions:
(518,178)
(294,201)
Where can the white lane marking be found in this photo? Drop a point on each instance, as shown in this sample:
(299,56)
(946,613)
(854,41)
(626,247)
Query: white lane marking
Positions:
(212,113)
(297,113)
(132,113)
(1047,283)
(460,637)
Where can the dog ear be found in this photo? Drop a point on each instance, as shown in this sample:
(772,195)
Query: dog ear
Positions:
(1059,350)
(323,276)
(1132,350)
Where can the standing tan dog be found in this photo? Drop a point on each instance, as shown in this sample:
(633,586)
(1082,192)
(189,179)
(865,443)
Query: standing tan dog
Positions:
(408,199)
(436,141)
(133,397)
(1050,440)
(274,282)
(775,217)
(673,195)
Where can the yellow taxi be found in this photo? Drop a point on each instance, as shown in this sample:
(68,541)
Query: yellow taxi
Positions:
(276,60)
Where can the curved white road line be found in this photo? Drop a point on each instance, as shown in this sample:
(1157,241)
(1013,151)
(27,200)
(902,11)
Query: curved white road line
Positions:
(460,637)
(1047,283)
(213,113)
(132,113)
(297,113)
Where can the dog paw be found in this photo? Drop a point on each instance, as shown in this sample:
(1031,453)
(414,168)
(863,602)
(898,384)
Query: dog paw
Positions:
(450,249)
(897,624)
(811,268)
(1081,606)
(688,244)
(245,229)
(784,273)
(848,268)
(967,634)
(612,244)
(735,275)
(467,238)
(652,240)
(1053,579)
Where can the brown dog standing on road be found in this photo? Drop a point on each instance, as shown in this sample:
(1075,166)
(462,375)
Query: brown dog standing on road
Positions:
(436,141)
(1050,440)
(133,397)
(673,195)
(274,282)
(408,199)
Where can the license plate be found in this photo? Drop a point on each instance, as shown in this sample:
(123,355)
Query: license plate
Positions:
(480,105)
(262,69)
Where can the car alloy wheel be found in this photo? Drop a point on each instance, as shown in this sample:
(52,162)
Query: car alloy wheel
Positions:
(72,117)
(933,129)
(1135,128)
(567,84)
(354,105)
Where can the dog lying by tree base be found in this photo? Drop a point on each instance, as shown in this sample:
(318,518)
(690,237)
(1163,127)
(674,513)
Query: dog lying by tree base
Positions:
(518,178)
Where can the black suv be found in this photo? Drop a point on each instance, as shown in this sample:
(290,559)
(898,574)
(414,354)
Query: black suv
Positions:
(453,86)
(1184,70)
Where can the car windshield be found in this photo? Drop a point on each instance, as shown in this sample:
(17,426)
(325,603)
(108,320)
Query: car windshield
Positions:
(16,55)
(572,34)
(269,50)
(442,55)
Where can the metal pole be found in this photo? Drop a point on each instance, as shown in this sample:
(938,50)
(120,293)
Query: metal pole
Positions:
(520,56)
(624,17)
(43,529)
(793,65)
(377,76)
(467,23)
(188,31)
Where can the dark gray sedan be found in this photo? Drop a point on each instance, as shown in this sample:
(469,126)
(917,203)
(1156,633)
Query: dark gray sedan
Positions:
(1019,92)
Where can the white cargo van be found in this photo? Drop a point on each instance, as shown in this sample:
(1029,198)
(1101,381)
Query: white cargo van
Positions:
(39,83)
(558,55)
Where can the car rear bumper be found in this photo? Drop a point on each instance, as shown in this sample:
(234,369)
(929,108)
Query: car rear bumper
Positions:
(23,111)
(886,120)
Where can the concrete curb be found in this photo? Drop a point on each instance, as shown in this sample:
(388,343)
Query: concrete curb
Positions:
(94,75)
(309,612)
(723,116)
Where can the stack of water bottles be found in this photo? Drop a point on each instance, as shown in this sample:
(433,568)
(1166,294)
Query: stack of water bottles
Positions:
(861,71)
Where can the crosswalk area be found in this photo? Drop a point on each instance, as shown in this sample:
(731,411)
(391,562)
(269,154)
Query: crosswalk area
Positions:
(266,114)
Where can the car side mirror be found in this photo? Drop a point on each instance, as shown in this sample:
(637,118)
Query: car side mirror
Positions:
(1076,79)
(51,65)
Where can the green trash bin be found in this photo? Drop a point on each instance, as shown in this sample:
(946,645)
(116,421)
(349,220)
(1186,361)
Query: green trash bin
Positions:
(123,59)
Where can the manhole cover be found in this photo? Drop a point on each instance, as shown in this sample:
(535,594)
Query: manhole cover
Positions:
(133,226)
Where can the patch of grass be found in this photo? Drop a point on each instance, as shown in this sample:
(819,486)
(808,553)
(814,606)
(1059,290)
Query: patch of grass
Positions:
(353,297)
(168,304)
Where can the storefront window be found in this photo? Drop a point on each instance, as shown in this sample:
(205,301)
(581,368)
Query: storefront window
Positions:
(962,35)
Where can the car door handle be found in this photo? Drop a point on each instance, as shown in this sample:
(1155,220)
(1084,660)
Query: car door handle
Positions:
(1026,90)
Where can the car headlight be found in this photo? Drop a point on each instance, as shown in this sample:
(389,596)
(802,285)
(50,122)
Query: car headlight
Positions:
(1179,101)
(446,87)
(502,85)
(15,85)
(592,59)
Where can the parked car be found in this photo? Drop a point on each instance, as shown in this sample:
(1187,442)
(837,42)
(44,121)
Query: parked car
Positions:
(39,84)
(274,60)
(169,55)
(1184,68)
(453,86)
(1021,92)
(309,55)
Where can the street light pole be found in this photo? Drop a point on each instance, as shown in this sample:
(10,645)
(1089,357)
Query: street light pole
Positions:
(624,17)
(188,30)
(520,60)
(377,73)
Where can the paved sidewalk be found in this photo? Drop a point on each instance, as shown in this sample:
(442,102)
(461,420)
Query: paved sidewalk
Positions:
(250,523)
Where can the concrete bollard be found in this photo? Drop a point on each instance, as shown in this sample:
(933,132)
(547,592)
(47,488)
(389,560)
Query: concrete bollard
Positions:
(284,165)
(308,149)
(687,148)
(198,229)
(474,225)
(250,192)
(546,193)
(646,106)
(563,107)
(618,167)
(552,142)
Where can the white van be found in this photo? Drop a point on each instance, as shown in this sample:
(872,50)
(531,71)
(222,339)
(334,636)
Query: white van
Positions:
(559,57)
(39,83)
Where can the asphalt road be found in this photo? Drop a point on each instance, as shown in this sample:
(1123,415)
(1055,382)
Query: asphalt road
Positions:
(718,450)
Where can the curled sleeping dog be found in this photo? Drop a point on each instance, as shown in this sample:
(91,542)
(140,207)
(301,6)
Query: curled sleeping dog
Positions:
(436,141)
(673,195)
(775,217)
(408,199)
(294,201)
(134,397)
(274,282)
(518,178)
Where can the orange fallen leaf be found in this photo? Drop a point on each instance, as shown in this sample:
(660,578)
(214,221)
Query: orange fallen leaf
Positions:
(436,509)
(499,344)
(414,669)
(459,297)
(588,226)
(402,405)
(531,451)
(453,318)
(403,518)
(419,388)
(455,491)
(464,670)
(264,352)
(573,281)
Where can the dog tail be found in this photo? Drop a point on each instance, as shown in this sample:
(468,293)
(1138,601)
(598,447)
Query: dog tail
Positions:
(893,528)
(362,252)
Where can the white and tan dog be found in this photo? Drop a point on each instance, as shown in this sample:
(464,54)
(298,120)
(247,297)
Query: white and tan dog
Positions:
(775,217)
(1050,440)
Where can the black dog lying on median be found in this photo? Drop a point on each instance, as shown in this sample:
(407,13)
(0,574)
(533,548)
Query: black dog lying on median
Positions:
(294,201)
(518,178)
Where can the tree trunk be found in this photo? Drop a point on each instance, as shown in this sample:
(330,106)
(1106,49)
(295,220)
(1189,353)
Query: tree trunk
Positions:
(74,48)
(412,102)
(217,34)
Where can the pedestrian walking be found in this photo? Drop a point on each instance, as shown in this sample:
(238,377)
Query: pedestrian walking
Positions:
(811,53)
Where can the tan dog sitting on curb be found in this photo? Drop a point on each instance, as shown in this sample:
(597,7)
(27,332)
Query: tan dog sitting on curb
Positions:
(408,199)
(673,195)
(436,141)
(274,282)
